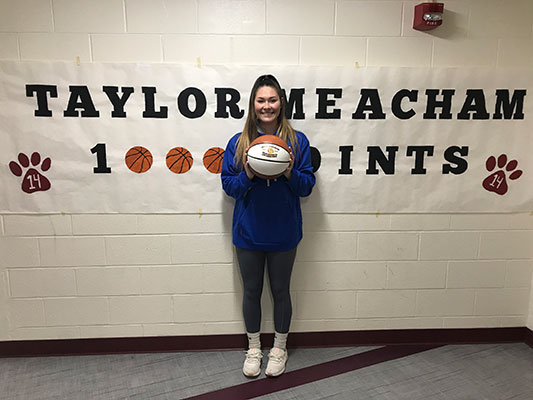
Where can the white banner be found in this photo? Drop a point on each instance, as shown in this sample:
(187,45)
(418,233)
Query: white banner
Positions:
(94,138)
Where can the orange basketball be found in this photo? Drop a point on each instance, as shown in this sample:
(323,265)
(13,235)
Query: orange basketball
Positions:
(213,159)
(138,159)
(179,160)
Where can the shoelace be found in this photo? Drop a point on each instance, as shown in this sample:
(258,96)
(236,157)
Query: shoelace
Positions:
(254,355)
(277,356)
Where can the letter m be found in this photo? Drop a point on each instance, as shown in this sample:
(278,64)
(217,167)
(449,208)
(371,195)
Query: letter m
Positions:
(509,109)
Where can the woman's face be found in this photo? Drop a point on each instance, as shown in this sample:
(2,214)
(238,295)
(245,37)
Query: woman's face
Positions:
(267,105)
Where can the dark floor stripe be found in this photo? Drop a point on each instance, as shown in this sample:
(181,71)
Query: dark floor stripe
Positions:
(314,373)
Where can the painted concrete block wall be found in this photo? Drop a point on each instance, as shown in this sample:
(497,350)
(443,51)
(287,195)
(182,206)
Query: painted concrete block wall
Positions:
(69,276)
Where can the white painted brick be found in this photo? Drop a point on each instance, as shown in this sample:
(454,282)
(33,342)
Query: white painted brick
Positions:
(414,323)
(55,46)
(126,48)
(9,48)
(502,301)
(515,53)
(221,278)
(479,221)
(52,333)
(19,252)
(449,302)
(173,329)
(26,313)
(472,322)
(448,245)
(519,273)
(311,326)
(117,331)
(92,224)
(317,222)
(516,321)
(165,16)
(135,250)
(211,49)
(387,246)
(455,23)
(420,222)
(172,279)
(310,275)
(465,52)
(184,223)
(345,51)
(224,328)
(105,16)
(301,17)
(371,324)
(37,225)
(322,246)
(231,16)
(76,311)
(399,52)
(358,275)
(250,50)
(476,274)
(520,221)
(207,307)
(42,282)
(416,275)
(501,19)
(108,281)
(25,16)
(369,18)
(140,309)
(187,249)
(386,303)
(512,244)
(72,251)
(316,305)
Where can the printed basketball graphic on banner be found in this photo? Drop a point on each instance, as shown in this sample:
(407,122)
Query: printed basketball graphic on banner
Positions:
(33,180)
(497,181)
(213,159)
(179,160)
(138,159)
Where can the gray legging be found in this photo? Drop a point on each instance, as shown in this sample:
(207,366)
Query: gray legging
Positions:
(279,267)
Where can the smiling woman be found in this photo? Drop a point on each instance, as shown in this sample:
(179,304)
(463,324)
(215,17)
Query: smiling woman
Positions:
(267,219)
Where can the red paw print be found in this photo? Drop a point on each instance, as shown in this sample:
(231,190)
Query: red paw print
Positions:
(497,182)
(33,180)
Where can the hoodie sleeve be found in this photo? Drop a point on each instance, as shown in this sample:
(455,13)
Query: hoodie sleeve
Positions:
(234,180)
(302,178)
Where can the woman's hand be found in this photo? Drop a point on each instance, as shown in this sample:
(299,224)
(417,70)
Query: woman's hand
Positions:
(249,173)
(288,171)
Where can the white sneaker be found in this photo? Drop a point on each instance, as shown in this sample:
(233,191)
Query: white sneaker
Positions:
(277,358)
(252,363)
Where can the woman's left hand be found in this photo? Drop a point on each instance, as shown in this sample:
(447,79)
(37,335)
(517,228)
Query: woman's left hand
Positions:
(288,171)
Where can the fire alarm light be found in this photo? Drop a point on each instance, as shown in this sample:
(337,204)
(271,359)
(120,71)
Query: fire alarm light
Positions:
(428,16)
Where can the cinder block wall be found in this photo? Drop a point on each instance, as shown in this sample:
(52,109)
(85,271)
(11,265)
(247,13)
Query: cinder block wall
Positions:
(71,276)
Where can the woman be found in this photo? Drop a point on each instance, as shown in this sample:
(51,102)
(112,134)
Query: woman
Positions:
(267,219)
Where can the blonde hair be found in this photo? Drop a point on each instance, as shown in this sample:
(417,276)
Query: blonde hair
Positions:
(249,133)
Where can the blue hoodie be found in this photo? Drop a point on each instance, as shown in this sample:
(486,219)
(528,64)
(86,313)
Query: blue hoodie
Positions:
(267,214)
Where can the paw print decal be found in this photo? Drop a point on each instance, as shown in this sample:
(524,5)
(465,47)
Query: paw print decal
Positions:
(497,181)
(33,180)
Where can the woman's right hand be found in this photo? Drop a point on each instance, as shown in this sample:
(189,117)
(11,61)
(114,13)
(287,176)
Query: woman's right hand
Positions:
(249,173)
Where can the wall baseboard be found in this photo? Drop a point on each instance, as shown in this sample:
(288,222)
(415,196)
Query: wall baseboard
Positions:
(68,347)
(529,337)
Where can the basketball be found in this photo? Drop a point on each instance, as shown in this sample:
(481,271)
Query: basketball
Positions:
(213,160)
(138,159)
(179,160)
(268,156)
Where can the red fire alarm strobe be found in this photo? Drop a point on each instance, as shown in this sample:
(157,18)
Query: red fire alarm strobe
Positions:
(428,16)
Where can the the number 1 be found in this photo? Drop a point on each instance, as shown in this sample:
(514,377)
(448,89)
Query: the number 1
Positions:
(101,159)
